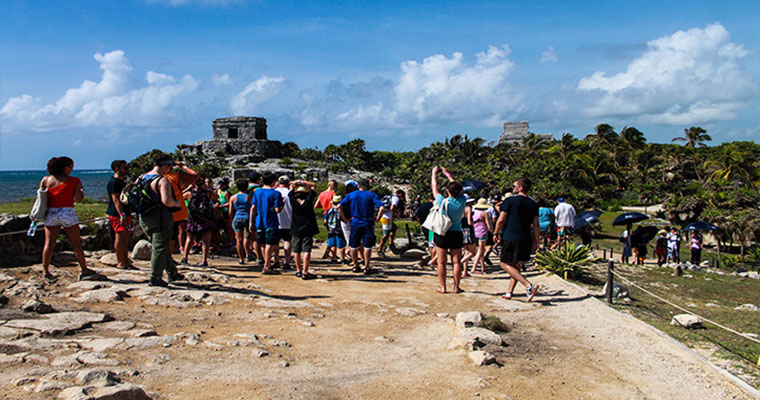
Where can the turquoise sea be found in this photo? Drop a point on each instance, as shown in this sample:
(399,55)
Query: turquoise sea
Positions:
(15,185)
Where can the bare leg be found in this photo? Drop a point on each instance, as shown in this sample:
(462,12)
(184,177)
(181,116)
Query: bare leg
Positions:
(286,252)
(306,261)
(367,257)
(297,257)
(456,257)
(51,236)
(479,256)
(72,233)
(240,245)
(441,256)
(205,246)
(514,272)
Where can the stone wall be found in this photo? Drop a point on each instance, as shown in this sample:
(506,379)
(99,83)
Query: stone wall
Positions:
(244,128)
(515,132)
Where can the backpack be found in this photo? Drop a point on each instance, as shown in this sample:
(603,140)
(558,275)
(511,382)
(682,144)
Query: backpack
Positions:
(333,222)
(200,207)
(137,195)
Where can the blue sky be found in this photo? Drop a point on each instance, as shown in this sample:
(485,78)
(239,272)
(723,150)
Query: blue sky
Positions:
(102,80)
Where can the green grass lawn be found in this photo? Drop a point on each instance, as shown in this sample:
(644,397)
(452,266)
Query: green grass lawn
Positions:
(86,211)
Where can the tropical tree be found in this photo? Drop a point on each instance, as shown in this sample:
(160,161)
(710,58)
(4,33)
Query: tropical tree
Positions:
(694,136)
(633,138)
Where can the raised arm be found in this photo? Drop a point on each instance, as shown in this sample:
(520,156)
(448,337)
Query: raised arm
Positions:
(434,182)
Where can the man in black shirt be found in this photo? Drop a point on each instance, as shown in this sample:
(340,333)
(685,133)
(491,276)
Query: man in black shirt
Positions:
(519,218)
(119,214)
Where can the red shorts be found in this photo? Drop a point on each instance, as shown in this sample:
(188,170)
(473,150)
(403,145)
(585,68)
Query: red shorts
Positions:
(117,225)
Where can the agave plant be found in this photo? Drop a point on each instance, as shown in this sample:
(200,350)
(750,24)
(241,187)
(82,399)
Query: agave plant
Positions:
(566,259)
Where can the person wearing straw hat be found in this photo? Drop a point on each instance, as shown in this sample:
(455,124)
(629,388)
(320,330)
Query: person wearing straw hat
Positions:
(661,247)
(335,237)
(482,226)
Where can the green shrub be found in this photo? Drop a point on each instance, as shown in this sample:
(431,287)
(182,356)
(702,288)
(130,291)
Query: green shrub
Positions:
(567,259)
(493,323)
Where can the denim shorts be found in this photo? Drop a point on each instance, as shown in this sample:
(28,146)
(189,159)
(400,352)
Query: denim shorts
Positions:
(240,224)
(336,241)
(267,236)
(362,236)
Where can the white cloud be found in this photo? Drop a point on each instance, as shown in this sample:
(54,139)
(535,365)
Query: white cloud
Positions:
(221,80)
(688,77)
(548,55)
(256,93)
(450,89)
(111,102)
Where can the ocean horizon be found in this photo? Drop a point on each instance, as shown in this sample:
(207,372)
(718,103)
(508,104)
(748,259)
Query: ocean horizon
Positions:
(17,185)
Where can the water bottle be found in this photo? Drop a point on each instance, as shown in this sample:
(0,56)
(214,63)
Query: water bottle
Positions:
(32,229)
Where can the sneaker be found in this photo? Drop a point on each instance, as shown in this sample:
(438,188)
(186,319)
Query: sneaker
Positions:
(241,262)
(203,264)
(176,277)
(489,262)
(381,254)
(507,296)
(531,291)
(184,262)
(260,262)
(158,282)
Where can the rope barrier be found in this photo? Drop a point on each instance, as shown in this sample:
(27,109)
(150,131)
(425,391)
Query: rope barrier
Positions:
(42,225)
(628,282)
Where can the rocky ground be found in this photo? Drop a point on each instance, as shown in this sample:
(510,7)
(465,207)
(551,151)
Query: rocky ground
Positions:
(230,333)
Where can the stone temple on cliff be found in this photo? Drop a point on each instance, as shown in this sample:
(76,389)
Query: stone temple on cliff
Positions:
(238,136)
(515,132)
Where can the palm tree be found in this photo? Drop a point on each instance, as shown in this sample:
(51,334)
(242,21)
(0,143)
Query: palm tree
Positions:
(633,138)
(605,135)
(694,136)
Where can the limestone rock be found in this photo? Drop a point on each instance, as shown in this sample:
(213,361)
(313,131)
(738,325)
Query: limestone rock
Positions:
(60,323)
(147,342)
(712,305)
(97,377)
(37,307)
(688,321)
(480,357)
(480,334)
(468,319)
(142,333)
(414,254)
(101,344)
(409,311)
(705,264)
(73,393)
(46,386)
(95,358)
(142,250)
(88,285)
(107,295)
(109,259)
(748,307)
(10,333)
(24,381)
(122,391)
(618,291)
(118,325)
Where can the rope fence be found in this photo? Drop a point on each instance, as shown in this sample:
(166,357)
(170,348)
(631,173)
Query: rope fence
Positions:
(42,225)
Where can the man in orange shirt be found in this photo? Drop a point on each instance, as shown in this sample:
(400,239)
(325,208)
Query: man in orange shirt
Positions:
(181,177)
(324,201)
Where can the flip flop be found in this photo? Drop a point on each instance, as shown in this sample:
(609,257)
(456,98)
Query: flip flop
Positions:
(308,276)
(442,291)
(269,272)
(356,270)
(459,291)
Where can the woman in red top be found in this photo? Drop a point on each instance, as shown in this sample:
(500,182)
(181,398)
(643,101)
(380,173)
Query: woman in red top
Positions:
(63,191)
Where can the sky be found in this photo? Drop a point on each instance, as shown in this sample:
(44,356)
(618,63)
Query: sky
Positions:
(104,80)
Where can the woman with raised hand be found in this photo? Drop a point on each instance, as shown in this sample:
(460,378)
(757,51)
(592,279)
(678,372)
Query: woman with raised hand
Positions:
(63,191)
(451,242)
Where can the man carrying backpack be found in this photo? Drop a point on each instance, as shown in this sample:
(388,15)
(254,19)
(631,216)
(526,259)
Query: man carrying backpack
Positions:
(389,210)
(156,220)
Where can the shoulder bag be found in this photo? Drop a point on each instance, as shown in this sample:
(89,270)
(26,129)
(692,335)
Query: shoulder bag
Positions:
(39,209)
(438,220)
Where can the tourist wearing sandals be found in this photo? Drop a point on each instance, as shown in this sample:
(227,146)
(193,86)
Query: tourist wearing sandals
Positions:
(265,206)
(303,225)
(451,243)
(63,191)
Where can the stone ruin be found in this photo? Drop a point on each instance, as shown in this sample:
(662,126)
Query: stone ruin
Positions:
(515,132)
(237,136)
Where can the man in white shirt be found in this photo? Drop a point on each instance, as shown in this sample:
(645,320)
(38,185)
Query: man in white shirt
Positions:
(564,217)
(285,216)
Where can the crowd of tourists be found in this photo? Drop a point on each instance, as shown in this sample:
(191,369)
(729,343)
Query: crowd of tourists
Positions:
(271,221)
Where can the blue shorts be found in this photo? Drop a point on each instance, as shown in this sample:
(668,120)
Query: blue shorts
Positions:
(362,236)
(267,235)
(240,224)
(336,241)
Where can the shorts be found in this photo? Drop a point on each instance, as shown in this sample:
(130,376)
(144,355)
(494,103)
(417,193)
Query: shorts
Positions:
(672,253)
(267,236)
(564,231)
(336,241)
(661,251)
(346,228)
(240,224)
(515,252)
(116,224)
(64,217)
(363,235)
(389,228)
(627,251)
(302,244)
(285,234)
(482,238)
(489,240)
(545,229)
(452,240)
(468,235)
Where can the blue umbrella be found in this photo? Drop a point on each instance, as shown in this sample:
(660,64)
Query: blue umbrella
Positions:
(700,226)
(469,185)
(629,218)
(586,218)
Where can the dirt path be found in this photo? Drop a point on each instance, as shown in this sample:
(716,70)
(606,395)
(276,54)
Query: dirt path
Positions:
(382,336)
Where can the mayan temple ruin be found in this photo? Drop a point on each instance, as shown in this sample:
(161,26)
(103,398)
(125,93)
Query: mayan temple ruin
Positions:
(515,132)
(238,136)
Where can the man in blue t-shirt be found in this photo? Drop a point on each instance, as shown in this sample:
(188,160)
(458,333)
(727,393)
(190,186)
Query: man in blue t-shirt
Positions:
(265,206)
(361,204)
(519,217)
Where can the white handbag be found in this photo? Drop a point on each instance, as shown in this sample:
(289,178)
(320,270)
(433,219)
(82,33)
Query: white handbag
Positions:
(438,220)
(39,209)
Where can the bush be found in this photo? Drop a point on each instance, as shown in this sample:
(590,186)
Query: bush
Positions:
(493,323)
(566,259)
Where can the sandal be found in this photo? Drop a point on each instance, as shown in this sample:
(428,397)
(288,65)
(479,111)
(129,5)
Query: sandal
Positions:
(307,276)
(356,270)
(49,276)
(298,274)
(269,272)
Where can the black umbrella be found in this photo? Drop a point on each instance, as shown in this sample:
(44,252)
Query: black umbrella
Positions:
(629,218)
(469,185)
(700,226)
(586,218)
(643,234)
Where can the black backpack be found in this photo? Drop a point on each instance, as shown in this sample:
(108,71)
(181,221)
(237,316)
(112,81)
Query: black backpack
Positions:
(200,207)
(137,195)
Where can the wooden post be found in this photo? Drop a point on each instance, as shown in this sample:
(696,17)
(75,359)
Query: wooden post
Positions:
(609,282)
(612,257)
(409,235)
(604,257)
